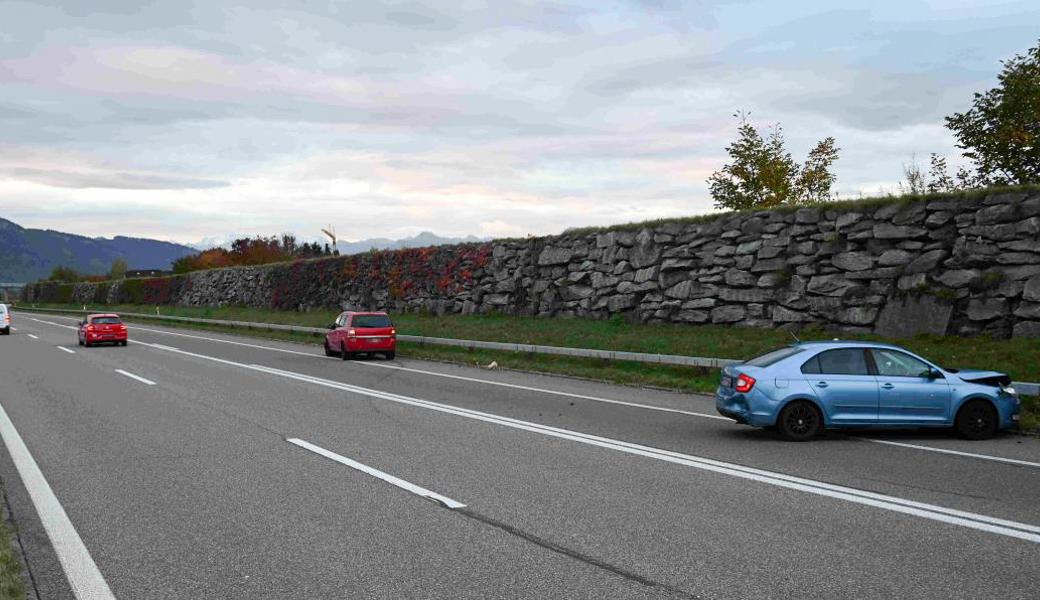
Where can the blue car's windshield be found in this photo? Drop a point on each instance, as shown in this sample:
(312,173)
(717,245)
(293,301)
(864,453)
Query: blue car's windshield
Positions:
(775,356)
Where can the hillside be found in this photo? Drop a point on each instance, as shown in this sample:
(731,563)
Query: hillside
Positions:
(29,254)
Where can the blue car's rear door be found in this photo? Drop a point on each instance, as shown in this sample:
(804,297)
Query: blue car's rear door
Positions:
(844,385)
(908,394)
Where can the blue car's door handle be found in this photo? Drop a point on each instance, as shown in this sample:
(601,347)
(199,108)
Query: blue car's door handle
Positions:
(821,384)
(887,386)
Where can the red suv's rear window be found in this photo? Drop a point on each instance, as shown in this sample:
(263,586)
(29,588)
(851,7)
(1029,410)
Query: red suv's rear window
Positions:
(106,321)
(370,321)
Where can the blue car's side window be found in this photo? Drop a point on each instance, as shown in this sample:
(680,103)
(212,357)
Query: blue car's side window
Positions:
(843,361)
(891,363)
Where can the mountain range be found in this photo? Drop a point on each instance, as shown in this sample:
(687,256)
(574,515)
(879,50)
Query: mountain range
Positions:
(30,254)
(420,240)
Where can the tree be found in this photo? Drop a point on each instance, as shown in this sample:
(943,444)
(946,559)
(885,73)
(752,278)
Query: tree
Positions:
(185,264)
(814,182)
(118,269)
(1001,131)
(289,244)
(762,173)
(938,179)
(916,182)
(64,274)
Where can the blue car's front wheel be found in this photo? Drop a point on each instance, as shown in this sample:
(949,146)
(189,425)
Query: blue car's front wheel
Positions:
(977,420)
(799,421)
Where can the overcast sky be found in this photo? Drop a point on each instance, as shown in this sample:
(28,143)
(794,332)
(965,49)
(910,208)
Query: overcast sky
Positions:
(188,120)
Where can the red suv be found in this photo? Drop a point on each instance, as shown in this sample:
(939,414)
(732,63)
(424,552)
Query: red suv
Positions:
(96,329)
(356,333)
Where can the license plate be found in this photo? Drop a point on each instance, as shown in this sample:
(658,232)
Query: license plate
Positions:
(727,382)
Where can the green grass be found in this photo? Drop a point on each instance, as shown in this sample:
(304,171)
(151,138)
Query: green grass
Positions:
(1020,358)
(11,585)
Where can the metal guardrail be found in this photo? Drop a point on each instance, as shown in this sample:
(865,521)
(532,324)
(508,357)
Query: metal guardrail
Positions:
(1027,388)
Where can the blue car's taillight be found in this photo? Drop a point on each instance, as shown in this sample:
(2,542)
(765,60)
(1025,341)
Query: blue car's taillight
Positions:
(744,384)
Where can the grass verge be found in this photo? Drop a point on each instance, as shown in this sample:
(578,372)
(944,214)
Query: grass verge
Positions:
(1018,357)
(11,585)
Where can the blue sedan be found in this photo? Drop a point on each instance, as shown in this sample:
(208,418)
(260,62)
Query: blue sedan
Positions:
(811,386)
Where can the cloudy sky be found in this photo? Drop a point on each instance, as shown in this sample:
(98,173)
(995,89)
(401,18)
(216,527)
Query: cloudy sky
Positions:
(187,120)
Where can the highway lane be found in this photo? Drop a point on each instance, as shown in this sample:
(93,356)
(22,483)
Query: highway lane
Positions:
(206,445)
(980,485)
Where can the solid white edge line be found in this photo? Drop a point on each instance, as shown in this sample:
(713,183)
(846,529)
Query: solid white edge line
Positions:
(1013,461)
(82,572)
(1023,531)
(64,349)
(542,390)
(33,336)
(137,377)
(396,481)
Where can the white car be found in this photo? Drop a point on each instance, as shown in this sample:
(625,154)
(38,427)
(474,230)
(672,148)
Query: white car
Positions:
(5,320)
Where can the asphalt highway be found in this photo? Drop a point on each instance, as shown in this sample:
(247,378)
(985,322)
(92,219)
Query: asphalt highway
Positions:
(193,464)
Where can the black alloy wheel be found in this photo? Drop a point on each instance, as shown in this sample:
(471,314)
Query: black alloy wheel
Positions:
(799,421)
(976,420)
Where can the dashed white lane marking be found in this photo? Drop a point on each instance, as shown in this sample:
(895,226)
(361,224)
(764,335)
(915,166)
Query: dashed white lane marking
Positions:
(33,336)
(137,377)
(64,349)
(541,390)
(1013,461)
(401,483)
(82,572)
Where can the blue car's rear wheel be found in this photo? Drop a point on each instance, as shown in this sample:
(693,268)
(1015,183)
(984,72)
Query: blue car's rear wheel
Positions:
(976,420)
(799,421)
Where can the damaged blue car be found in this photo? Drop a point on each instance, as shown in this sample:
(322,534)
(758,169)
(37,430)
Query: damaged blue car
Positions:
(807,387)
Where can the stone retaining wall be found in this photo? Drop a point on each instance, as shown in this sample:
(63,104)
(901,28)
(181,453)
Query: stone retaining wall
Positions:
(952,265)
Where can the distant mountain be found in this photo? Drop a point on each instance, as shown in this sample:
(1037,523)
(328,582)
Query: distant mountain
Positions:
(30,254)
(421,240)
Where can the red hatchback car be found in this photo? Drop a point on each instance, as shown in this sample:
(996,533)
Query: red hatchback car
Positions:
(99,329)
(356,333)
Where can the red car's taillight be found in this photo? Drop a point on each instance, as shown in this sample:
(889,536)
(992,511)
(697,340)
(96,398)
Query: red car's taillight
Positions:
(744,384)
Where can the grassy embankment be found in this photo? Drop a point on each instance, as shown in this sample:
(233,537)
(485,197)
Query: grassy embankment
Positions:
(1018,357)
(11,585)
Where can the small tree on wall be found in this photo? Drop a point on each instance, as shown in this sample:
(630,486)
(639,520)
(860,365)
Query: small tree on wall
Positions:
(118,269)
(1000,134)
(762,173)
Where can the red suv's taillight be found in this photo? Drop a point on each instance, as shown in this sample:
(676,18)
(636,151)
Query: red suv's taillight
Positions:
(744,384)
